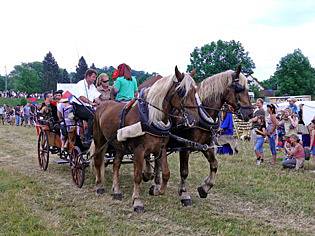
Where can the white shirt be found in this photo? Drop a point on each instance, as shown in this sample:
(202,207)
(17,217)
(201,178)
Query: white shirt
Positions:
(82,89)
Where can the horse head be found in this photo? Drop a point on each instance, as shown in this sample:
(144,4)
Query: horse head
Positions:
(170,95)
(236,95)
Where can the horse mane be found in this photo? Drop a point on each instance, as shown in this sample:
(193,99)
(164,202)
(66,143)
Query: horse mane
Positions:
(159,90)
(214,86)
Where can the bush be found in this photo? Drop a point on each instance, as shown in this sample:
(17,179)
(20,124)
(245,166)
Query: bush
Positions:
(13,101)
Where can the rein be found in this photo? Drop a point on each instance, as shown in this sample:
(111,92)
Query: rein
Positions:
(169,114)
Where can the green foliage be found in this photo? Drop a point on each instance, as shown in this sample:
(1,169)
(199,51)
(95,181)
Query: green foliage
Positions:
(294,76)
(80,69)
(13,101)
(219,56)
(26,77)
(51,73)
(2,82)
(64,76)
(255,89)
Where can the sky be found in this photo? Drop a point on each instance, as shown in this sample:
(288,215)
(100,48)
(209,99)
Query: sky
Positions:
(153,36)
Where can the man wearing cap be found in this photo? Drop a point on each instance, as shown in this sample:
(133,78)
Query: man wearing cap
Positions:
(86,93)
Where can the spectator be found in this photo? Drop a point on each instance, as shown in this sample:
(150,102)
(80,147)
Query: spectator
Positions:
(272,124)
(260,139)
(2,114)
(258,112)
(292,106)
(312,139)
(26,114)
(295,153)
(17,113)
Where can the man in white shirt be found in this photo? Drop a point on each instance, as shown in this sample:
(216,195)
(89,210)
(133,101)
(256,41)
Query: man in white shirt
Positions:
(86,92)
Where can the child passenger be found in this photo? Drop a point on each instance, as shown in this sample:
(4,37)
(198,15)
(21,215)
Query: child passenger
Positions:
(65,115)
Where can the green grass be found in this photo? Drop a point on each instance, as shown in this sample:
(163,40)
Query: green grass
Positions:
(246,200)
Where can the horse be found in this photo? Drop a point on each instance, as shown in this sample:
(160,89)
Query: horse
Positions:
(167,95)
(228,87)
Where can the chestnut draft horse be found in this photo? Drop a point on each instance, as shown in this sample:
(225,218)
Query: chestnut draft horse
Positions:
(227,87)
(166,96)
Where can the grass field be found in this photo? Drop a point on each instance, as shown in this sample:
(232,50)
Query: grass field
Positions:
(246,200)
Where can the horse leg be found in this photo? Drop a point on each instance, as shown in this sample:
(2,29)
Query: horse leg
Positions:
(210,179)
(185,197)
(99,173)
(147,174)
(117,195)
(155,187)
(165,171)
(98,159)
(137,177)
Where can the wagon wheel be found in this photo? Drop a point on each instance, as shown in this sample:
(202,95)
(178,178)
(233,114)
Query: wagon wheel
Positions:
(77,166)
(43,150)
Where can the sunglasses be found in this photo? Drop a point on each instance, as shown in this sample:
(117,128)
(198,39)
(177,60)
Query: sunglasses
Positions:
(105,81)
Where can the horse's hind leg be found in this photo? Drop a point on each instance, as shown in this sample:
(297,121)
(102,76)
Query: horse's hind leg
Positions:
(185,197)
(210,179)
(98,159)
(165,171)
(117,195)
(137,173)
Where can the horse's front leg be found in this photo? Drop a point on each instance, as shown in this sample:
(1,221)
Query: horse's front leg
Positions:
(185,197)
(117,195)
(137,177)
(210,179)
(147,174)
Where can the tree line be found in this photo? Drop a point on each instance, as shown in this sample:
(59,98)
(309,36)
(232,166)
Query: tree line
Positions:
(294,74)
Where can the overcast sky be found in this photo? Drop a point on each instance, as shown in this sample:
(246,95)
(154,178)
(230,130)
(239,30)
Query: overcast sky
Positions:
(152,35)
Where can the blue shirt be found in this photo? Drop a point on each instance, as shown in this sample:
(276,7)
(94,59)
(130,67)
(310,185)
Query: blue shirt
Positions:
(126,88)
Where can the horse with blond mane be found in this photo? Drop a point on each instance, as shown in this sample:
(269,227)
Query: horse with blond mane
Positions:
(228,87)
(167,95)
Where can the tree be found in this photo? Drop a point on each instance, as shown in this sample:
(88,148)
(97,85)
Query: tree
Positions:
(51,73)
(219,56)
(255,89)
(294,75)
(64,76)
(80,69)
(2,82)
(93,66)
(25,78)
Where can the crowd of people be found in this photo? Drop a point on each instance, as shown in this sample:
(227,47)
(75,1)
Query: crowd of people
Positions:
(18,94)
(285,131)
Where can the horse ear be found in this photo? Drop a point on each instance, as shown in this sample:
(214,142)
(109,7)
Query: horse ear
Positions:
(179,75)
(237,72)
(193,73)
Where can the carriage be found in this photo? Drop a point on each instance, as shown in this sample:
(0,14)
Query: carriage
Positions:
(75,153)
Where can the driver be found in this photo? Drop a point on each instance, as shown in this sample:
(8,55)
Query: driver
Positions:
(86,93)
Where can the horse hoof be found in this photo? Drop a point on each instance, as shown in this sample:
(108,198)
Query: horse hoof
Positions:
(202,192)
(117,196)
(186,202)
(100,191)
(138,209)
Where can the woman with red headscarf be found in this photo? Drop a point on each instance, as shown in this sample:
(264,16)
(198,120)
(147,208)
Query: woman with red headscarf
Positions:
(125,86)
